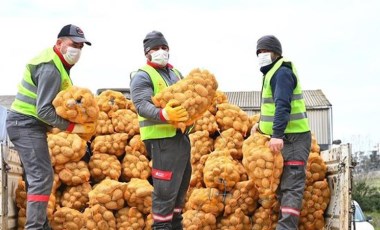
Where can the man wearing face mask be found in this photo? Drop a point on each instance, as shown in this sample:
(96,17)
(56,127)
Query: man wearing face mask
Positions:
(168,147)
(32,115)
(283,117)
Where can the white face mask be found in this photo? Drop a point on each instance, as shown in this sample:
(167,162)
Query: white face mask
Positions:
(264,59)
(72,55)
(160,57)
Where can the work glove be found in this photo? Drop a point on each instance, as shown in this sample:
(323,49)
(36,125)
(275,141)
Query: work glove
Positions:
(174,113)
(84,128)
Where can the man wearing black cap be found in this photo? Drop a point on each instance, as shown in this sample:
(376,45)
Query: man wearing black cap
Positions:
(32,115)
(283,117)
(168,148)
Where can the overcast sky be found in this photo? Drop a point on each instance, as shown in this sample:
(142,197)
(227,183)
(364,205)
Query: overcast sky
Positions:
(334,45)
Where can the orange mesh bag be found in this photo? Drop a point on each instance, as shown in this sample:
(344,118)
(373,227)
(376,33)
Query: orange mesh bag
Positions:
(220,171)
(99,217)
(232,116)
(263,167)
(129,218)
(315,201)
(65,147)
(235,221)
(77,105)
(108,193)
(67,218)
(194,220)
(195,93)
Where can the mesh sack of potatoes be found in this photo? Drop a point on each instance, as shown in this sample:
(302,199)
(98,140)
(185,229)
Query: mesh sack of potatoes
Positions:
(108,193)
(20,196)
(76,197)
(194,220)
(264,218)
(110,101)
(138,194)
(102,165)
(135,167)
(316,168)
(201,144)
(209,200)
(263,167)
(253,120)
(244,196)
(242,171)
(195,93)
(232,140)
(67,218)
(232,116)
(21,219)
(111,144)
(316,198)
(56,183)
(104,124)
(196,179)
(136,146)
(73,173)
(219,98)
(52,203)
(129,218)
(77,105)
(235,221)
(125,121)
(206,122)
(65,147)
(148,222)
(220,171)
(314,144)
(99,217)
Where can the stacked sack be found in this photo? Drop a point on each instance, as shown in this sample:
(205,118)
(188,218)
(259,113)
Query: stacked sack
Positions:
(105,181)
(317,191)
(263,166)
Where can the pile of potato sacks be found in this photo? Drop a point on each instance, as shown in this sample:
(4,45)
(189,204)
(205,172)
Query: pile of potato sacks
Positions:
(103,182)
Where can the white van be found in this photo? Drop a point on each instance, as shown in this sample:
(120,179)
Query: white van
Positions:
(359,220)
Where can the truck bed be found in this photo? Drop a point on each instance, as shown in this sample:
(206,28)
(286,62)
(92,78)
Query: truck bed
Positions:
(339,176)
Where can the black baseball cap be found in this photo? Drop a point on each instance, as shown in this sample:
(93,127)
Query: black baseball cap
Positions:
(74,33)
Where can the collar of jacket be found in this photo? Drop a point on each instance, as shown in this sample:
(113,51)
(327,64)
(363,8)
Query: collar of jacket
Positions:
(154,65)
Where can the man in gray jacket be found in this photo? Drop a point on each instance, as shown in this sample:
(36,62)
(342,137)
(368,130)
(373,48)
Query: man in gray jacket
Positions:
(168,147)
(32,114)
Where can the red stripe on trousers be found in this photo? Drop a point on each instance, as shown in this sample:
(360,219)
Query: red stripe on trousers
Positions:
(43,198)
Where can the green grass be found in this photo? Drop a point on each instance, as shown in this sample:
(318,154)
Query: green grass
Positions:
(375,219)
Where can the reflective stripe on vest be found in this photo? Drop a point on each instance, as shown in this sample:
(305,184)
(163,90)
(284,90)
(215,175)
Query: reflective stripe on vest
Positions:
(26,98)
(298,122)
(150,129)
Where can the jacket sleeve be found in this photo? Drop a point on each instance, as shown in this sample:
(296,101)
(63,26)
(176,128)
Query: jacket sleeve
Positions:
(48,81)
(141,95)
(283,84)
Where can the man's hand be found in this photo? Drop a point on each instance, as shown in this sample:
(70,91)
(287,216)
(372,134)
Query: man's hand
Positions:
(84,128)
(174,113)
(276,145)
